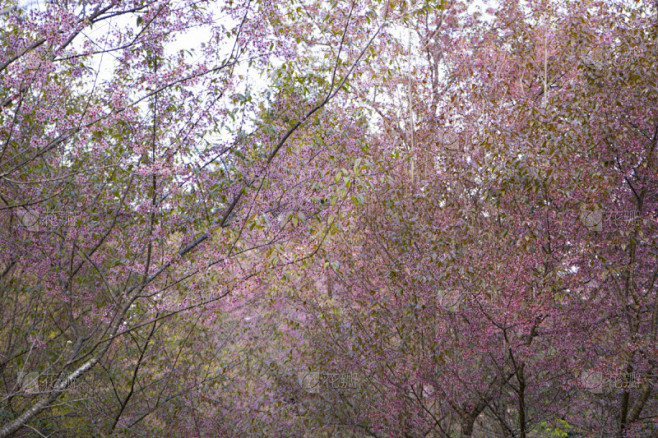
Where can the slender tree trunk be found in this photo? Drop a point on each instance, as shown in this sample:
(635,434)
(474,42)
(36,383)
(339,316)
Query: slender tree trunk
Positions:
(522,413)
(467,422)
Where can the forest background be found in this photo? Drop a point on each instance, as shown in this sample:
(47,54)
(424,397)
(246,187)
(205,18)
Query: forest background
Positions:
(328,218)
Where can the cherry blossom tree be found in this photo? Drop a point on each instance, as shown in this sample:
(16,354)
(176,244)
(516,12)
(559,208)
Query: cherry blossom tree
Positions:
(136,180)
(499,280)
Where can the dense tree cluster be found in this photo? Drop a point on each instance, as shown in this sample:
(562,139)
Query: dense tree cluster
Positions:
(329,218)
